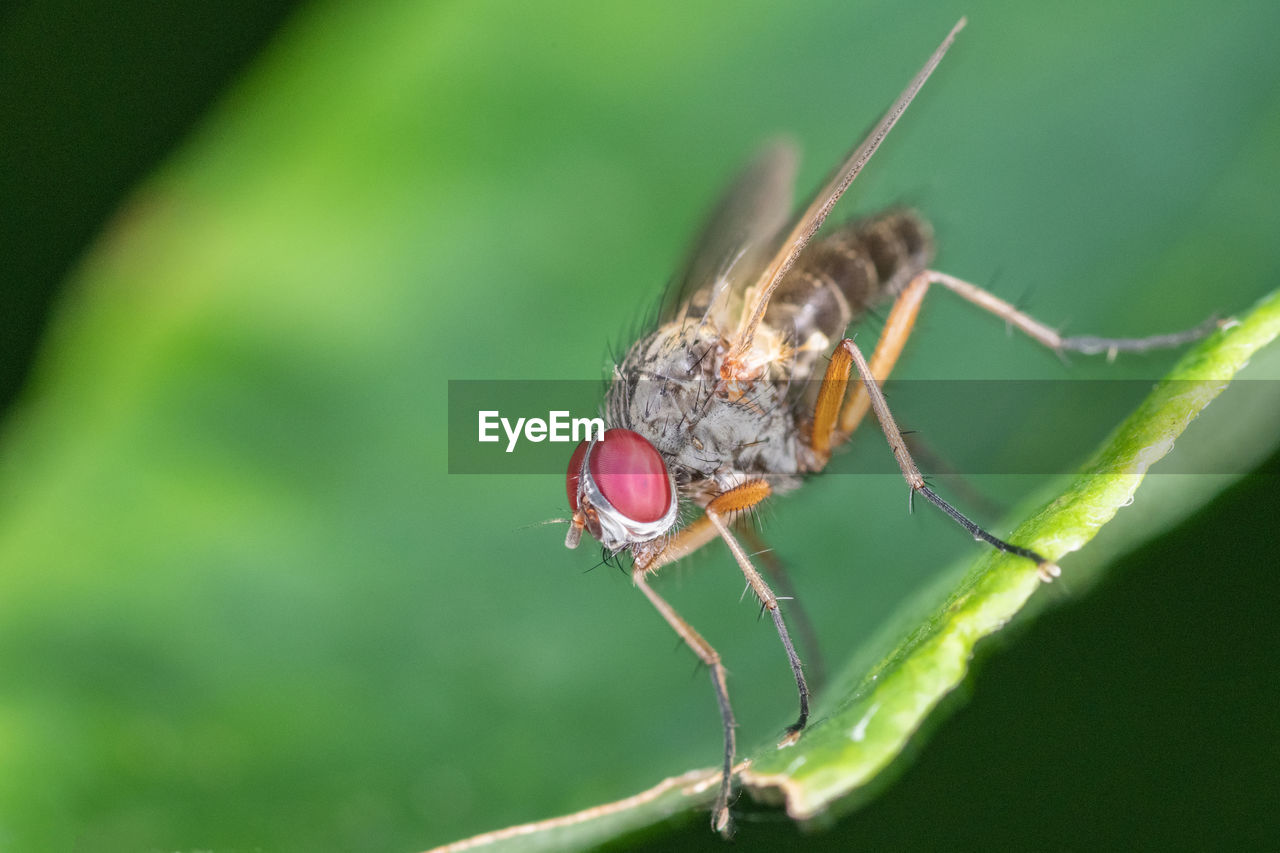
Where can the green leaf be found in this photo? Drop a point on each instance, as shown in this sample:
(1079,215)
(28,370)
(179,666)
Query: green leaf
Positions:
(243,602)
(865,728)
(871,714)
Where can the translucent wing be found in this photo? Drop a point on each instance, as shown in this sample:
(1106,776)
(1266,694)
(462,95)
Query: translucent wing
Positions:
(735,364)
(741,234)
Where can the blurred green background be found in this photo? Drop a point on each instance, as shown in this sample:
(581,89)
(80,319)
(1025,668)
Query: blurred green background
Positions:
(244,606)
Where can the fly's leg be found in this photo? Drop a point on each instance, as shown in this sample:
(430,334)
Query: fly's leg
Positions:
(833,423)
(897,328)
(903,317)
(846,357)
(720,821)
(777,573)
(719,512)
(715,521)
(1084,344)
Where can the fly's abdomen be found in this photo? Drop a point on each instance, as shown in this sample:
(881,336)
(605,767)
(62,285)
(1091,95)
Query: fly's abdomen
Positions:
(839,277)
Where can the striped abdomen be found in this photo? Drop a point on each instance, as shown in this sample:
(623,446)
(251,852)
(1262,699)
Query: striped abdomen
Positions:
(839,277)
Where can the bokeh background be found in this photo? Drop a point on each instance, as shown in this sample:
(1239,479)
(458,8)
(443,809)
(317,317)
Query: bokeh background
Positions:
(244,605)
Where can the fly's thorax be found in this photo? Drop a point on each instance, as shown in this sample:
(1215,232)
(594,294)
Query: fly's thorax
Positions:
(712,438)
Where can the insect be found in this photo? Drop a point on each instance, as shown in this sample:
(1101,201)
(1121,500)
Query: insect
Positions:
(720,406)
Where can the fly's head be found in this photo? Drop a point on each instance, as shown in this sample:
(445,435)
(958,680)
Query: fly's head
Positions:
(620,491)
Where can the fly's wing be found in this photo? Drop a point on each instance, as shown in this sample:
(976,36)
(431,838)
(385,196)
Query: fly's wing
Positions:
(737,240)
(735,364)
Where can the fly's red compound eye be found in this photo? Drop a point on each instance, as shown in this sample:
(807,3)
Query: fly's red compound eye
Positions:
(575,474)
(631,475)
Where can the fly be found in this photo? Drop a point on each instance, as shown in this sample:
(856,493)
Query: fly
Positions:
(715,410)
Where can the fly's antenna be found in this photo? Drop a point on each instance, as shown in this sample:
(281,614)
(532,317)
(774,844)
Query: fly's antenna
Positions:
(533,524)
